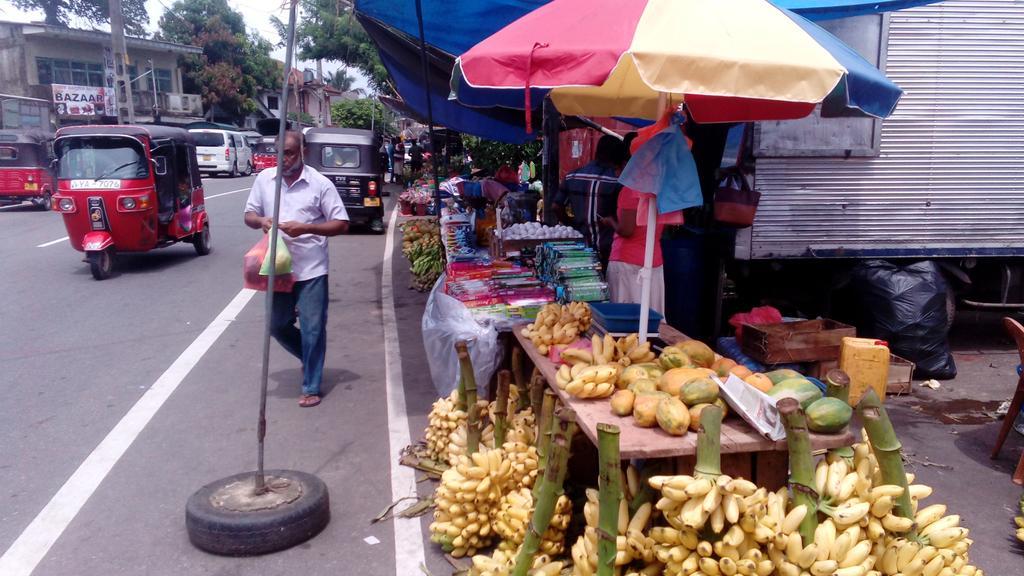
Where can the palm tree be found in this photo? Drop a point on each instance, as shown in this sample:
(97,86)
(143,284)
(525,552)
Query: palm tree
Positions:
(341,80)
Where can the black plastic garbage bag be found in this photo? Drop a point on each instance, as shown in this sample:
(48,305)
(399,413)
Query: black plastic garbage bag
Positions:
(905,305)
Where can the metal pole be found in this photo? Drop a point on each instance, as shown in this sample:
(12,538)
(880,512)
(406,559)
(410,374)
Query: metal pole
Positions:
(123,84)
(430,107)
(261,430)
(549,168)
(156,99)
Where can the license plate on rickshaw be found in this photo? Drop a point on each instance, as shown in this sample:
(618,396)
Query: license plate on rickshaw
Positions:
(371,201)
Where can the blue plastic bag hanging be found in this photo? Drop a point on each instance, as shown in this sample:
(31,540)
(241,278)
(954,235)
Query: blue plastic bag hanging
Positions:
(664,166)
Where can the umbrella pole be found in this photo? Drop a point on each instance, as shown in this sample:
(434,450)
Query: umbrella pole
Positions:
(430,106)
(645,274)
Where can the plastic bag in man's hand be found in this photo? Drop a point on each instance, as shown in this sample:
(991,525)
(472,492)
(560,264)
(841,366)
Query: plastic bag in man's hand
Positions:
(252,262)
(282,257)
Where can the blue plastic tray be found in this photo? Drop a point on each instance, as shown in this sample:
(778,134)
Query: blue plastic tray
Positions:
(621,318)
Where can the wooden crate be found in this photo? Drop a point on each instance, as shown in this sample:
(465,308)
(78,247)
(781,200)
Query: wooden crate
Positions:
(901,374)
(789,342)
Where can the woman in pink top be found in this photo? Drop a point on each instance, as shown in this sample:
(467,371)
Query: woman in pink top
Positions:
(627,257)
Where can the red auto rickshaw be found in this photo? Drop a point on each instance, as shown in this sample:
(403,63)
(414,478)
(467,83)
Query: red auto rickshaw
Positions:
(128,189)
(264,155)
(25,174)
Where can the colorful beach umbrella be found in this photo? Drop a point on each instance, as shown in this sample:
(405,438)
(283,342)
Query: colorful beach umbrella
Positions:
(727,60)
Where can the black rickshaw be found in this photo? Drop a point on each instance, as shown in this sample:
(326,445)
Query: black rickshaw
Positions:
(25,172)
(351,159)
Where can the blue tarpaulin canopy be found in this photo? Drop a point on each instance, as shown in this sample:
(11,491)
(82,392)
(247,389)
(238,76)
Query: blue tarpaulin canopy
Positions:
(454,26)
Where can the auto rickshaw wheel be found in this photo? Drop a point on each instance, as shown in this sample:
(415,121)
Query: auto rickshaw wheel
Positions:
(101,263)
(46,202)
(201,240)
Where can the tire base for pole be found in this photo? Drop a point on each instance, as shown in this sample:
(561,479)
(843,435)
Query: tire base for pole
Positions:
(225,530)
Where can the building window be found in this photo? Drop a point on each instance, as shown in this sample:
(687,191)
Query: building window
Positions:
(272,103)
(145,84)
(54,71)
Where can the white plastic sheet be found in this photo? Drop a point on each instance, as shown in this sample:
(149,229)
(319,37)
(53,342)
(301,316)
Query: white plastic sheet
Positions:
(756,407)
(445,322)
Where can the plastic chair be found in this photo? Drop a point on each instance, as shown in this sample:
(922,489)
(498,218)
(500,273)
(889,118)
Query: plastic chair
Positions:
(1017,332)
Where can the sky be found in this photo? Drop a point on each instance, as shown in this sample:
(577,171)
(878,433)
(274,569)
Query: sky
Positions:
(257,15)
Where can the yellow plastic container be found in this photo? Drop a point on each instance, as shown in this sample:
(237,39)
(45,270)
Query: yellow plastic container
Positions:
(866,361)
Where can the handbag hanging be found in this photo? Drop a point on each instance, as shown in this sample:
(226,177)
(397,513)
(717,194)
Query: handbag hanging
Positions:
(735,201)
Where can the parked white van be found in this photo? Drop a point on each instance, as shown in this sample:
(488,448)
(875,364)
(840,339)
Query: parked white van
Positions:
(222,151)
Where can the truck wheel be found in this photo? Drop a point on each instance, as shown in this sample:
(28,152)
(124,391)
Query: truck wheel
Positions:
(101,263)
(950,307)
(215,527)
(201,240)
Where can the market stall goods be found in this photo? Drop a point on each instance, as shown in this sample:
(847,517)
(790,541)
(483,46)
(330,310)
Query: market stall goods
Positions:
(558,324)
(538,231)
(421,245)
(1019,520)
(467,501)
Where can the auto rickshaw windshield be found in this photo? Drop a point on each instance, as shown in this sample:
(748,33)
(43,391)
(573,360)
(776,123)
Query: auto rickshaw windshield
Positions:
(94,158)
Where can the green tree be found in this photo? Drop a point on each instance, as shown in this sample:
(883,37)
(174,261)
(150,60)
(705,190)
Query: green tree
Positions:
(490,155)
(362,114)
(341,80)
(235,65)
(329,31)
(60,12)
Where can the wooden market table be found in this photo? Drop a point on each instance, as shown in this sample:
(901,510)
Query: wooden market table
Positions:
(744,451)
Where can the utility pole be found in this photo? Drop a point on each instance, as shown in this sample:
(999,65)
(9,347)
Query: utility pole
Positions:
(123,84)
(156,98)
(322,120)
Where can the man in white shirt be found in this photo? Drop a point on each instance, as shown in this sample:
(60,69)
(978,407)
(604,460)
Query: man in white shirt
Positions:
(311,210)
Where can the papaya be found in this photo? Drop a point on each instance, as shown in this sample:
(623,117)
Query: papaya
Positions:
(699,391)
(759,381)
(673,380)
(622,402)
(803,390)
(673,416)
(723,405)
(722,366)
(643,385)
(777,376)
(645,408)
(672,357)
(828,415)
(699,352)
(740,371)
(695,416)
(635,372)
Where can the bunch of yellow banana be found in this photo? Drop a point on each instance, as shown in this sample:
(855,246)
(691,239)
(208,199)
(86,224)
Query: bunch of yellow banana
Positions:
(444,419)
(523,428)
(513,519)
(688,502)
(588,381)
(502,562)
(524,463)
(1019,520)
(626,350)
(457,441)
(558,324)
(466,501)
(584,551)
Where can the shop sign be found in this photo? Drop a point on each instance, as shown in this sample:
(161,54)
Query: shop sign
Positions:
(70,100)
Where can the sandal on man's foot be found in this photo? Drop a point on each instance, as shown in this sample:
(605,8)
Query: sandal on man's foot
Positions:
(309,400)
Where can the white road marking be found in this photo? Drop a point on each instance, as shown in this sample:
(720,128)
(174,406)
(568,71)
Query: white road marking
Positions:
(409,555)
(226,193)
(8,207)
(33,544)
(52,242)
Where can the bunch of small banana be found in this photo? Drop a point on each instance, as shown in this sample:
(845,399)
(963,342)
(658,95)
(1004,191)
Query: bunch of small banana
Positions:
(1019,520)
(584,551)
(524,461)
(588,381)
(457,440)
(626,350)
(558,324)
(513,518)
(502,562)
(523,428)
(444,419)
(466,501)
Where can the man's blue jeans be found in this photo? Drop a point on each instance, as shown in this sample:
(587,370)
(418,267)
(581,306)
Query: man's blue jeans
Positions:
(310,343)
